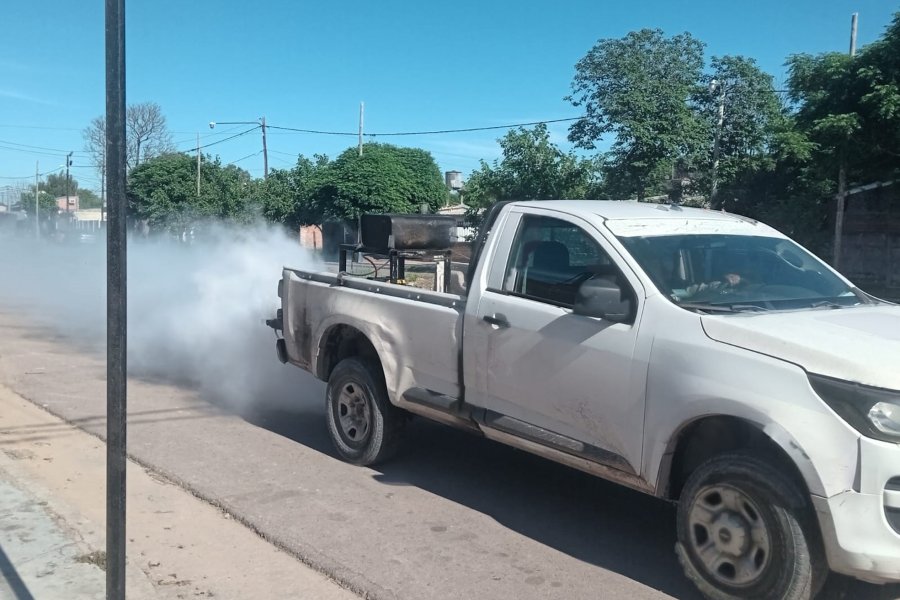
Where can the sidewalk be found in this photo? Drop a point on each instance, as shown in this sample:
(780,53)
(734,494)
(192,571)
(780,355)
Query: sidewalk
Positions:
(52,527)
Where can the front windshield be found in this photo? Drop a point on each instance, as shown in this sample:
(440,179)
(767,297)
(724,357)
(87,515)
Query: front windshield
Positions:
(738,272)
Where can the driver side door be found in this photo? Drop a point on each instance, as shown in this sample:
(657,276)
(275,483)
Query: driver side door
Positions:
(564,376)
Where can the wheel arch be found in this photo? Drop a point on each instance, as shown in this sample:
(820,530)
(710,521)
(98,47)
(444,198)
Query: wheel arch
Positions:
(340,341)
(704,437)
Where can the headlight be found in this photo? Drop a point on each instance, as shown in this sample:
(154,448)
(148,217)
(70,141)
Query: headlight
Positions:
(874,412)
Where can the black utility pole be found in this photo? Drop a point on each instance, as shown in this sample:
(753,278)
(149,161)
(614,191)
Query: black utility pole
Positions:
(115,301)
(265,150)
(68,164)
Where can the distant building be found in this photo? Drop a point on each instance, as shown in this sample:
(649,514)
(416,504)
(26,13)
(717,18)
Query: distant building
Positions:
(88,218)
(61,203)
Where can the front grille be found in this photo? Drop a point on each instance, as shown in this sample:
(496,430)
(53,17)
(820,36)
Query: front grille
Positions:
(892,503)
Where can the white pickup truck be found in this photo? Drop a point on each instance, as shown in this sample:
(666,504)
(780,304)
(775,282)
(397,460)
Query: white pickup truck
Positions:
(697,356)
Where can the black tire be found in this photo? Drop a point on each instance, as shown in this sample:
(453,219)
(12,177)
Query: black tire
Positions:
(767,547)
(364,426)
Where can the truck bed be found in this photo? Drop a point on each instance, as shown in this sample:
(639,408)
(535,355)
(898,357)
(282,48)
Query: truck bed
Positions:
(415,332)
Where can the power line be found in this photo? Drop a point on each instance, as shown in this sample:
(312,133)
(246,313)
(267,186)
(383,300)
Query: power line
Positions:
(469,129)
(193,140)
(37,152)
(315,131)
(40,147)
(434,132)
(39,127)
(252,129)
(29,176)
(258,152)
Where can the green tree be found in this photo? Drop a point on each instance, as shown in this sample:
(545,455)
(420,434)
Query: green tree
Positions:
(46,203)
(88,199)
(286,196)
(385,179)
(163,192)
(751,117)
(849,108)
(638,88)
(531,168)
(54,186)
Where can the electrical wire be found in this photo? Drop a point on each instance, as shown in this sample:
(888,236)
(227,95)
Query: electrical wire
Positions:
(202,137)
(469,129)
(252,129)
(435,132)
(61,151)
(37,152)
(32,176)
(40,127)
(244,157)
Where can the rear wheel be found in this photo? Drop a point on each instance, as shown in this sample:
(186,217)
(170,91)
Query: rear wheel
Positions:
(364,426)
(744,531)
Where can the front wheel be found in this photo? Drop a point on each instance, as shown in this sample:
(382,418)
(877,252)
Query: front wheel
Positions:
(364,426)
(744,531)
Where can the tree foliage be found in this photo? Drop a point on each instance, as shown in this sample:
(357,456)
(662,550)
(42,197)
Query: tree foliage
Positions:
(638,88)
(531,168)
(286,196)
(849,108)
(385,179)
(752,115)
(46,203)
(53,187)
(162,192)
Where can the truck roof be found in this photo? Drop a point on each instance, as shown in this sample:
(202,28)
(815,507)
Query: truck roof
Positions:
(631,209)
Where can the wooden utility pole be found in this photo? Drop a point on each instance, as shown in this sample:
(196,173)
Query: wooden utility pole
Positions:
(720,122)
(198,164)
(361,110)
(842,175)
(68,164)
(37,221)
(265,150)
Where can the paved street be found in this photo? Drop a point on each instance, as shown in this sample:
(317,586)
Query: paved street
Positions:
(455,516)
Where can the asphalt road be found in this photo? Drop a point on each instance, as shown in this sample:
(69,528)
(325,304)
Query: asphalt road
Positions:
(454,516)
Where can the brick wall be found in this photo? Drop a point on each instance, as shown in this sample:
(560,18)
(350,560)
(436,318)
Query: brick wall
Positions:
(311,237)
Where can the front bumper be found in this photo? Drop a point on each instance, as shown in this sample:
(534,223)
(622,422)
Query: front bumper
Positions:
(861,528)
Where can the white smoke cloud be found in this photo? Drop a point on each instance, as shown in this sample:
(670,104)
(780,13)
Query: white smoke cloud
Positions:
(195,312)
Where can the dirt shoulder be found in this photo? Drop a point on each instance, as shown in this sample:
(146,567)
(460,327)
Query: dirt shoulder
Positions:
(53,479)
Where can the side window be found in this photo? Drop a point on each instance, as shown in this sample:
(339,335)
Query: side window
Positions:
(551,258)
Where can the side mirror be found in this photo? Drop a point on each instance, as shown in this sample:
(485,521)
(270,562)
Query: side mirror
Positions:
(605,299)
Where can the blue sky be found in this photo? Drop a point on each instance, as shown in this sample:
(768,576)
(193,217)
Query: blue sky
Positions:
(417,65)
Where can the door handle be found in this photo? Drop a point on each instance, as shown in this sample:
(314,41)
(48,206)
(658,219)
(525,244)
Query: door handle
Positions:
(497,320)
